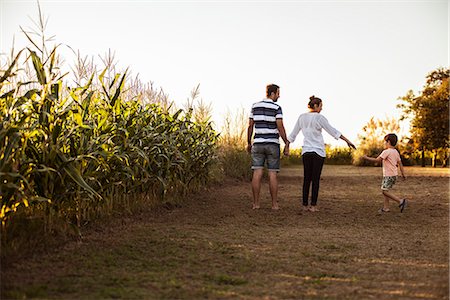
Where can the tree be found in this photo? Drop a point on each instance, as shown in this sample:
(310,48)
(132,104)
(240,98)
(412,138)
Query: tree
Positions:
(429,115)
(371,138)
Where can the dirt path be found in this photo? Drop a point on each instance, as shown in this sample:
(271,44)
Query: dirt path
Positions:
(214,246)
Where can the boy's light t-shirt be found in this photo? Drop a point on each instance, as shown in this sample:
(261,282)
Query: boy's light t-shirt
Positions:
(391,158)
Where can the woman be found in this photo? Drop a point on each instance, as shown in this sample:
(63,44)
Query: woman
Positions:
(313,149)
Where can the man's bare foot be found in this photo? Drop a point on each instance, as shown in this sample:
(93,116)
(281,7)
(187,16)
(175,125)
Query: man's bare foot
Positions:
(255,206)
(313,209)
(305,208)
(275,207)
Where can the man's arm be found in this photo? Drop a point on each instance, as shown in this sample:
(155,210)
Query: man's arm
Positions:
(251,124)
(282,131)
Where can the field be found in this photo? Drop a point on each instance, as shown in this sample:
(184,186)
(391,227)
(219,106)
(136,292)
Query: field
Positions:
(214,246)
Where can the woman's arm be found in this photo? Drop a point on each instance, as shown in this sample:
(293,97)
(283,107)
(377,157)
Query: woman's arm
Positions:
(282,131)
(291,137)
(334,132)
(350,144)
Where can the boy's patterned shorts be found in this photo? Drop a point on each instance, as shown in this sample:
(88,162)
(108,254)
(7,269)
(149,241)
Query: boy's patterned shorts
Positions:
(388,182)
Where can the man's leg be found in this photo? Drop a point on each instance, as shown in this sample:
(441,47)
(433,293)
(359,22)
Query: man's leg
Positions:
(273,165)
(273,186)
(256,187)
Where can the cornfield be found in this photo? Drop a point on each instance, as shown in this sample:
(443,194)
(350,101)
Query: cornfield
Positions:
(73,153)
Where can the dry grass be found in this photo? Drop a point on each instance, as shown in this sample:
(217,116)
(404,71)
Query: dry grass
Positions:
(215,246)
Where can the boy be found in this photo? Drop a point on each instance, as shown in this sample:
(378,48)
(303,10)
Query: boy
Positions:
(390,159)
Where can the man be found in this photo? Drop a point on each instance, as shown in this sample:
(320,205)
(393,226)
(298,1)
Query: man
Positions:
(267,120)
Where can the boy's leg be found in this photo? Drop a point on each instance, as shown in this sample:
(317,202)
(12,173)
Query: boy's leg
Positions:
(387,184)
(256,187)
(273,186)
(386,203)
(307,176)
(391,196)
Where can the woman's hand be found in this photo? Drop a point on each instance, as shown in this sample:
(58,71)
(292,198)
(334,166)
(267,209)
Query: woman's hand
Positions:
(350,144)
(286,150)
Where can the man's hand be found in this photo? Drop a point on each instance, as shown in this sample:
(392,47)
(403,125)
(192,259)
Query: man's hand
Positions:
(286,150)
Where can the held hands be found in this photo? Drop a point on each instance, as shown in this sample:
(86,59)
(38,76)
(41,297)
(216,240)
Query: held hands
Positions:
(286,150)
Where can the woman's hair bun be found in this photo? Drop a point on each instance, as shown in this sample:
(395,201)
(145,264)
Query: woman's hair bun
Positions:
(313,100)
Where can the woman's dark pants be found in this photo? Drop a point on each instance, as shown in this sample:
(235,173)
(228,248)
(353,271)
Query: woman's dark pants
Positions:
(312,166)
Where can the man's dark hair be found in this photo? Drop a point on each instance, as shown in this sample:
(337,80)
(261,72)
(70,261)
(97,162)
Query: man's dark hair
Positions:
(392,138)
(271,88)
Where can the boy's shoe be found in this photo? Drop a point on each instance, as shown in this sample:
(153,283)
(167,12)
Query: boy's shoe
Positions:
(382,210)
(403,204)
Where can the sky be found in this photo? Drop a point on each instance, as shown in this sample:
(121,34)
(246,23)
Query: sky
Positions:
(359,57)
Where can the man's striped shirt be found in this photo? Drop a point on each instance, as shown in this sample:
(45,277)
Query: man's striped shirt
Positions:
(265,114)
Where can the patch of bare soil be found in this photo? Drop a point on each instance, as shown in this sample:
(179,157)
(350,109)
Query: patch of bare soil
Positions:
(215,246)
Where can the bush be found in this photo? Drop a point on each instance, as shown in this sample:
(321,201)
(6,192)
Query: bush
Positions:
(294,158)
(235,162)
(339,156)
(369,150)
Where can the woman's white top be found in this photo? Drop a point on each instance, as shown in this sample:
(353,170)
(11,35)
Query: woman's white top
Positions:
(311,124)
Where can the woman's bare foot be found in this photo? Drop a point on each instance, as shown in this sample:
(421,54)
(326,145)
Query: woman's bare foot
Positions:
(255,206)
(313,209)
(275,206)
(305,208)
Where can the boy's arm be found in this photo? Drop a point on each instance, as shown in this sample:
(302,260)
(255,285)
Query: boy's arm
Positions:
(373,159)
(402,171)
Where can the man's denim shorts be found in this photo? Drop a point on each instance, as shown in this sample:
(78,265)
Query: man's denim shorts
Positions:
(262,153)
